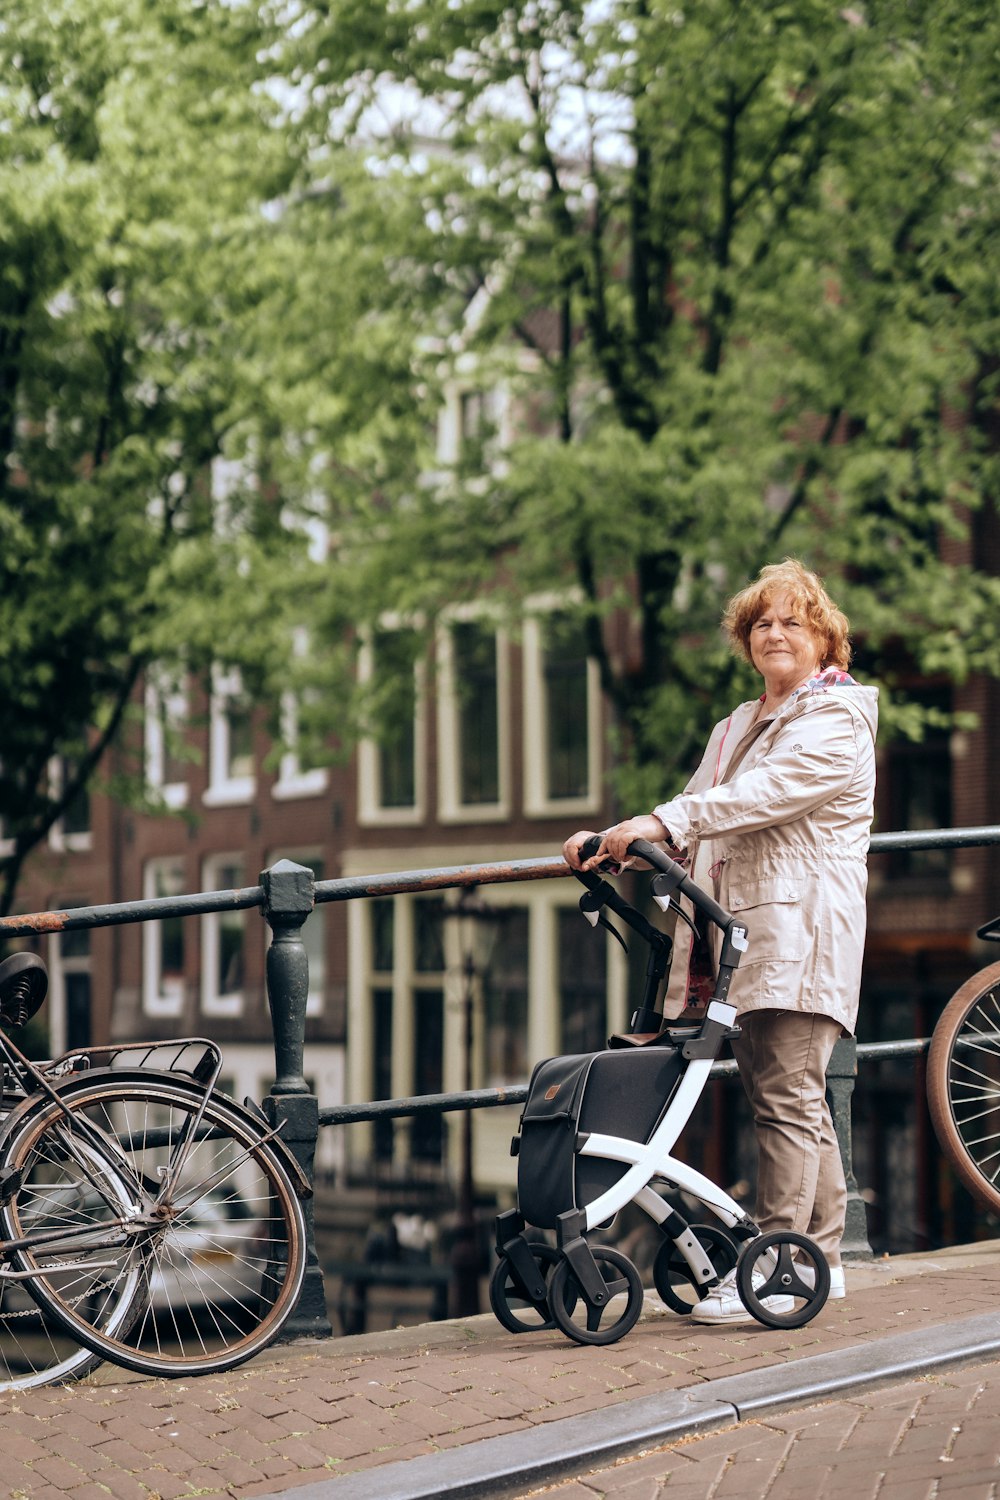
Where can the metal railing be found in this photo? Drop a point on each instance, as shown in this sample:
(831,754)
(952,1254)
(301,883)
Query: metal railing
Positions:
(286,896)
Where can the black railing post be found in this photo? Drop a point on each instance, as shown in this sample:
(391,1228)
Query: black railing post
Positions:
(840,1076)
(289,897)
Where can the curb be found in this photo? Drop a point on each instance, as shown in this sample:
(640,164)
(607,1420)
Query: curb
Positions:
(559,1449)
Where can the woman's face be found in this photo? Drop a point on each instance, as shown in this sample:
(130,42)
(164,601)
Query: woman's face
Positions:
(783,646)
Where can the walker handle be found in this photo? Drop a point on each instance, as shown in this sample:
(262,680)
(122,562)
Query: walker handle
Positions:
(679,881)
(671,877)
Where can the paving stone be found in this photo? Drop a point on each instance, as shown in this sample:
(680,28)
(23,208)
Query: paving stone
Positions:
(321,1409)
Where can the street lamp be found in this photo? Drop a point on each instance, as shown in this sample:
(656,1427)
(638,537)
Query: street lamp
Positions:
(478,926)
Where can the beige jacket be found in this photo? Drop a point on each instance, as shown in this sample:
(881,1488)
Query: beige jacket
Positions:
(784,843)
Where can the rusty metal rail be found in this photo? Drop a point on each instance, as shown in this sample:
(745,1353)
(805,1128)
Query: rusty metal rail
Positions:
(286,896)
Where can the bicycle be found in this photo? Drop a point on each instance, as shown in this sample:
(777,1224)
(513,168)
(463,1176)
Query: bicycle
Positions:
(145,1218)
(963,1080)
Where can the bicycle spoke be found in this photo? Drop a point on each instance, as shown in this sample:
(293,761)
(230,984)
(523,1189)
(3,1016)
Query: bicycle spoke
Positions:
(963,1082)
(35,1347)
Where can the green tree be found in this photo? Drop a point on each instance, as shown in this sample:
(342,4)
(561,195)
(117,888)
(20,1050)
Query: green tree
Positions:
(737,263)
(139,149)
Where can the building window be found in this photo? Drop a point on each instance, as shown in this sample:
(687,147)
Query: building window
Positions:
(163,942)
(583,1007)
(230,751)
(68,1011)
(473,727)
(223,936)
(427,1131)
(918,781)
(551,985)
(72,830)
(166,713)
(382,1129)
(383,917)
(478,412)
(561,718)
(382,957)
(404,1008)
(295,778)
(505,1004)
(428,935)
(390,767)
(475,421)
(427,1000)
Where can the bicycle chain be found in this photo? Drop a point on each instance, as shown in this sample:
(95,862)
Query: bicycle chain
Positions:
(99,1286)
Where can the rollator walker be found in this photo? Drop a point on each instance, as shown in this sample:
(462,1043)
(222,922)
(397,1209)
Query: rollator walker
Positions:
(598,1132)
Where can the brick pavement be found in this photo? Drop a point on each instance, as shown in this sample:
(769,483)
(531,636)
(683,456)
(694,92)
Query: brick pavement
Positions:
(315,1409)
(934,1436)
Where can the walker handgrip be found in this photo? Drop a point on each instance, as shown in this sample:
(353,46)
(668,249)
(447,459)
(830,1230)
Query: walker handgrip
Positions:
(589,848)
(660,860)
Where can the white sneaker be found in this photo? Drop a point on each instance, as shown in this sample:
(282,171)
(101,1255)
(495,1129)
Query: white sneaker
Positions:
(838,1281)
(723,1303)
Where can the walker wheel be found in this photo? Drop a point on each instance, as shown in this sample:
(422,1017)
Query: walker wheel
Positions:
(778,1261)
(582,1320)
(509,1298)
(674,1279)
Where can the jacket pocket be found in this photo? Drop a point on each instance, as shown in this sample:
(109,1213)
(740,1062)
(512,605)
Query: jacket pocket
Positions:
(775,914)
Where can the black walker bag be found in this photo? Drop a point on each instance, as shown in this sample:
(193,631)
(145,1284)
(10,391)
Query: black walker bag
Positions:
(622,1093)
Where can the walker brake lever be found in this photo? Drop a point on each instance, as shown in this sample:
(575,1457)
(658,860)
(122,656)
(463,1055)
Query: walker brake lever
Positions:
(591,906)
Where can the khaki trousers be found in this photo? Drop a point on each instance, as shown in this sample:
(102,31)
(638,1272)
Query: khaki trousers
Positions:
(782,1057)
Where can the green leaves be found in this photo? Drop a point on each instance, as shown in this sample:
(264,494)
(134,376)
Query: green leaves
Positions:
(616,302)
(137,157)
(735,269)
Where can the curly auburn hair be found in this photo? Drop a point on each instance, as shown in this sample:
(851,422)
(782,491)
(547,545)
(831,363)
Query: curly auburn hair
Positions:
(807,594)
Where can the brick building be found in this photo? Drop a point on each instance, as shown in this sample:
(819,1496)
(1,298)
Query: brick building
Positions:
(500,761)
(499,770)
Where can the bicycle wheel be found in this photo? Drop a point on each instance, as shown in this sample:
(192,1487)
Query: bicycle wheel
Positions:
(213,1224)
(35,1348)
(963,1084)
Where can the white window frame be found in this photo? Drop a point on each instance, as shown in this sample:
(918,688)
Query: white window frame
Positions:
(311,525)
(212,1003)
(153,1002)
(450,808)
(543,901)
(163,701)
(294,781)
(224,790)
(226,477)
(59,840)
(538,802)
(472,377)
(59,967)
(371,812)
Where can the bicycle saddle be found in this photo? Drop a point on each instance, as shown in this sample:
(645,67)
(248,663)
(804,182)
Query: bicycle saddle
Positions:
(24,981)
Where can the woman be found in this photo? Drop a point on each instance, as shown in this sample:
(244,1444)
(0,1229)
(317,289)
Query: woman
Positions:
(776,821)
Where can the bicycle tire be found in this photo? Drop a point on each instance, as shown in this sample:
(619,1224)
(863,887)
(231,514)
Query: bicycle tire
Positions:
(963,1094)
(217,1294)
(37,1349)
